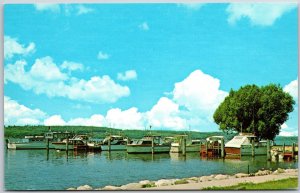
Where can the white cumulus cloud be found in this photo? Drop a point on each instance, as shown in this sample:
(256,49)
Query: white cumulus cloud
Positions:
(97,89)
(284,126)
(83,10)
(67,9)
(288,131)
(292,88)
(18,114)
(45,69)
(95,120)
(192,6)
(144,26)
(191,104)
(199,92)
(13,47)
(127,119)
(45,77)
(194,100)
(72,66)
(128,75)
(55,120)
(165,114)
(47,7)
(102,56)
(262,14)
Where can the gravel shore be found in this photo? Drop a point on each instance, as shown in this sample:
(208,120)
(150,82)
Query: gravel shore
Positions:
(198,183)
(228,182)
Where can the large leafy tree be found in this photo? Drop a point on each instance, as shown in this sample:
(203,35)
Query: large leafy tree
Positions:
(253,109)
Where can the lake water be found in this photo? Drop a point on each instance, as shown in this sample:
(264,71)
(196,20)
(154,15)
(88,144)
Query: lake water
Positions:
(30,169)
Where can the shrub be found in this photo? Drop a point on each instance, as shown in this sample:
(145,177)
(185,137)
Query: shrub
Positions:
(149,185)
(182,181)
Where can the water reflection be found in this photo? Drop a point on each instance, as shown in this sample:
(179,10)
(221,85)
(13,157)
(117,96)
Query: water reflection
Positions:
(115,155)
(23,168)
(68,155)
(147,157)
(123,155)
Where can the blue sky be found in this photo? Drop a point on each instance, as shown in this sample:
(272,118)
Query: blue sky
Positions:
(134,65)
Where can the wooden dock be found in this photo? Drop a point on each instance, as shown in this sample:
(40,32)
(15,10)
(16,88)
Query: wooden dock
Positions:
(213,149)
(287,152)
(290,155)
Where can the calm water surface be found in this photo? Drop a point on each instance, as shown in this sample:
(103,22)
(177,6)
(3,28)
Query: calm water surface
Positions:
(30,169)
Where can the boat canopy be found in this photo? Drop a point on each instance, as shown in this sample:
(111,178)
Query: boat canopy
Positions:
(181,136)
(247,134)
(215,137)
(33,137)
(240,140)
(116,136)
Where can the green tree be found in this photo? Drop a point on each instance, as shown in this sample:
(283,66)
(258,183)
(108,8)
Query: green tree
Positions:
(253,109)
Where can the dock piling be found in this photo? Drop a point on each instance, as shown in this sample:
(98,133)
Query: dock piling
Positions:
(67,148)
(222,148)
(47,140)
(248,169)
(47,148)
(218,149)
(109,144)
(293,151)
(128,141)
(67,144)
(152,145)
(6,143)
(86,146)
(268,150)
(206,148)
(252,148)
(183,146)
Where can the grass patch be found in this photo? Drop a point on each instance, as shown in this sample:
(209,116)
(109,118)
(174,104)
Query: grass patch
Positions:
(182,181)
(149,185)
(290,183)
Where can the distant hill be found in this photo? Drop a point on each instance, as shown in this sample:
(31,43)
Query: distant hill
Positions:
(279,140)
(101,132)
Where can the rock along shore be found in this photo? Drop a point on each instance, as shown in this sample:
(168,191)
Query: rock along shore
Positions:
(198,183)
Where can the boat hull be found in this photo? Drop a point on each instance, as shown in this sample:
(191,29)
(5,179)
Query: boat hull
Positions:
(147,149)
(113,147)
(62,146)
(246,150)
(189,148)
(33,145)
(258,150)
(232,151)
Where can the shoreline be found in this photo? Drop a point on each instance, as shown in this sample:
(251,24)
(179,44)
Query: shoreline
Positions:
(198,183)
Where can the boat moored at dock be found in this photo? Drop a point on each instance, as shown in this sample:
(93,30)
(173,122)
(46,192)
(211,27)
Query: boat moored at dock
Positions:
(114,143)
(191,145)
(78,142)
(149,144)
(213,146)
(29,142)
(242,145)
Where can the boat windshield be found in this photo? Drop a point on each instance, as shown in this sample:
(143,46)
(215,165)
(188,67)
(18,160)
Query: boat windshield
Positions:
(146,142)
(196,142)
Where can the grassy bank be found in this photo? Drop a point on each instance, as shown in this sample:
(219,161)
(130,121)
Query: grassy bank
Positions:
(285,184)
(101,132)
